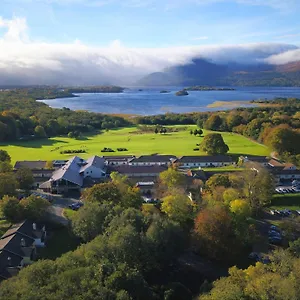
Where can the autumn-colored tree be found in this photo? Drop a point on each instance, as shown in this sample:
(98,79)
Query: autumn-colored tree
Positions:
(214,233)
(218,180)
(171,179)
(230,194)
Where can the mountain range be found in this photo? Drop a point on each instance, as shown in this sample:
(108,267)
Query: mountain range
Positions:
(204,72)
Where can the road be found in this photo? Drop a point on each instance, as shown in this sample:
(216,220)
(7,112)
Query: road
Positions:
(55,211)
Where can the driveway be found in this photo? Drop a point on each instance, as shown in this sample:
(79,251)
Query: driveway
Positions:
(57,207)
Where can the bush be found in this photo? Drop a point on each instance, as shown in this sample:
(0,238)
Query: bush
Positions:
(122,149)
(73,151)
(196,149)
(107,150)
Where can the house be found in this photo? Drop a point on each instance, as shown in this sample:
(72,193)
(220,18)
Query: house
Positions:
(138,171)
(38,168)
(263,160)
(118,160)
(197,174)
(18,247)
(70,177)
(283,172)
(28,229)
(152,160)
(146,187)
(204,161)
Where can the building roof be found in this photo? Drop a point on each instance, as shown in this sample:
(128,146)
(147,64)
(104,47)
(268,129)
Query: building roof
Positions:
(96,161)
(31,164)
(12,244)
(118,158)
(275,163)
(70,171)
(289,166)
(24,228)
(154,158)
(126,169)
(285,172)
(256,158)
(205,159)
(7,261)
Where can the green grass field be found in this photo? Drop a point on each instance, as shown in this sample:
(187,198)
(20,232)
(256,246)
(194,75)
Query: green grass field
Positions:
(289,201)
(137,143)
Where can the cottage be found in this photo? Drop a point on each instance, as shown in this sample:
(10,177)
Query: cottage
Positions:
(152,160)
(146,187)
(139,171)
(18,247)
(118,160)
(263,160)
(204,161)
(38,168)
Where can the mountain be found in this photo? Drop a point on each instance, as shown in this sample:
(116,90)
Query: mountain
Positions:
(203,72)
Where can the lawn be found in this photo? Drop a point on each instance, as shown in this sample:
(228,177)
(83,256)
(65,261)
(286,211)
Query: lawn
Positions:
(177,143)
(289,201)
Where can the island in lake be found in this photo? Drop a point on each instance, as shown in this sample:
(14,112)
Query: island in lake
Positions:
(182,93)
(207,88)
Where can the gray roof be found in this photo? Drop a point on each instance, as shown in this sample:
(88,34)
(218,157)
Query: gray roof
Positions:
(31,164)
(205,159)
(118,158)
(126,169)
(96,161)
(154,158)
(70,171)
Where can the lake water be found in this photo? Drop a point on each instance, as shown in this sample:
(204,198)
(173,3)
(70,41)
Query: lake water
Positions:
(150,101)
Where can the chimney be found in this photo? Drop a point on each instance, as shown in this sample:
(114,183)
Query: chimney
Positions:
(34,226)
(23,243)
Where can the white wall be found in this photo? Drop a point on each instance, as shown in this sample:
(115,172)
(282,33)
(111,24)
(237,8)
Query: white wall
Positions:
(94,172)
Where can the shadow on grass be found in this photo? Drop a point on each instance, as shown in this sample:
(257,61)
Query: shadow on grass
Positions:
(35,143)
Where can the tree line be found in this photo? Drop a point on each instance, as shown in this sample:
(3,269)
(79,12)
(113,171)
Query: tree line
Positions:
(22,117)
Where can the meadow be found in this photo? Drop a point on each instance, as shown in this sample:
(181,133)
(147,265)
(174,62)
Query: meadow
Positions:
(137,142)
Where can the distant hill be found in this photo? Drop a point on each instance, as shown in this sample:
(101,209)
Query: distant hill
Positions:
(203,72)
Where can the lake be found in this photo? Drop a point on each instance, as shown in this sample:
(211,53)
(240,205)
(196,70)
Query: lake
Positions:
(149,101)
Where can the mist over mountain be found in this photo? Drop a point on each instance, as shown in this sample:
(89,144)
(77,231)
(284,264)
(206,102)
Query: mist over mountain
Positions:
(203,72)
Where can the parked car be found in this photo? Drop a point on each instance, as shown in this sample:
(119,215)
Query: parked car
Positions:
(275,240)
(76,206)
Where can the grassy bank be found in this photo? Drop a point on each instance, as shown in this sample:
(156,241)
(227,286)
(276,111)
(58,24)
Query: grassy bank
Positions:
(289,201)
(137,143)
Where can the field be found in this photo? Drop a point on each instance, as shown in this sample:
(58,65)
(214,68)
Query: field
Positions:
(137,142)
(289,201)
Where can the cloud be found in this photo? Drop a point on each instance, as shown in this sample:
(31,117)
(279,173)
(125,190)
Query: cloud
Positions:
(23,61)
(285,57)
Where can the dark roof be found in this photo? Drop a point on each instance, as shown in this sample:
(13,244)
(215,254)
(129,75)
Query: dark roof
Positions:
(15,261)
(154,158)
(24,228)
(256,158)
(118,158)
(275,163)
(211,158)
(33,164)
(284,172)
(126,169)
(12,244)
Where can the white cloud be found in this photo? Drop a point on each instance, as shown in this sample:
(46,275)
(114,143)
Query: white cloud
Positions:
(199,38)
(23,61)
(285,57)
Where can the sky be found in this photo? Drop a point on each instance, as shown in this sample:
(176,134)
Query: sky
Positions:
(44,40)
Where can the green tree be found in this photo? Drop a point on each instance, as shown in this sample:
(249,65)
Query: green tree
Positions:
(240,208)
(5,167)
(89,221)
(103,192)
(218,180)
(8,184)
(171,178)
(214,122)
(34,207)
(213,143)
(4,156)
(11,209)
(24,178)
(39,132)
(230,194)
(177,207)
